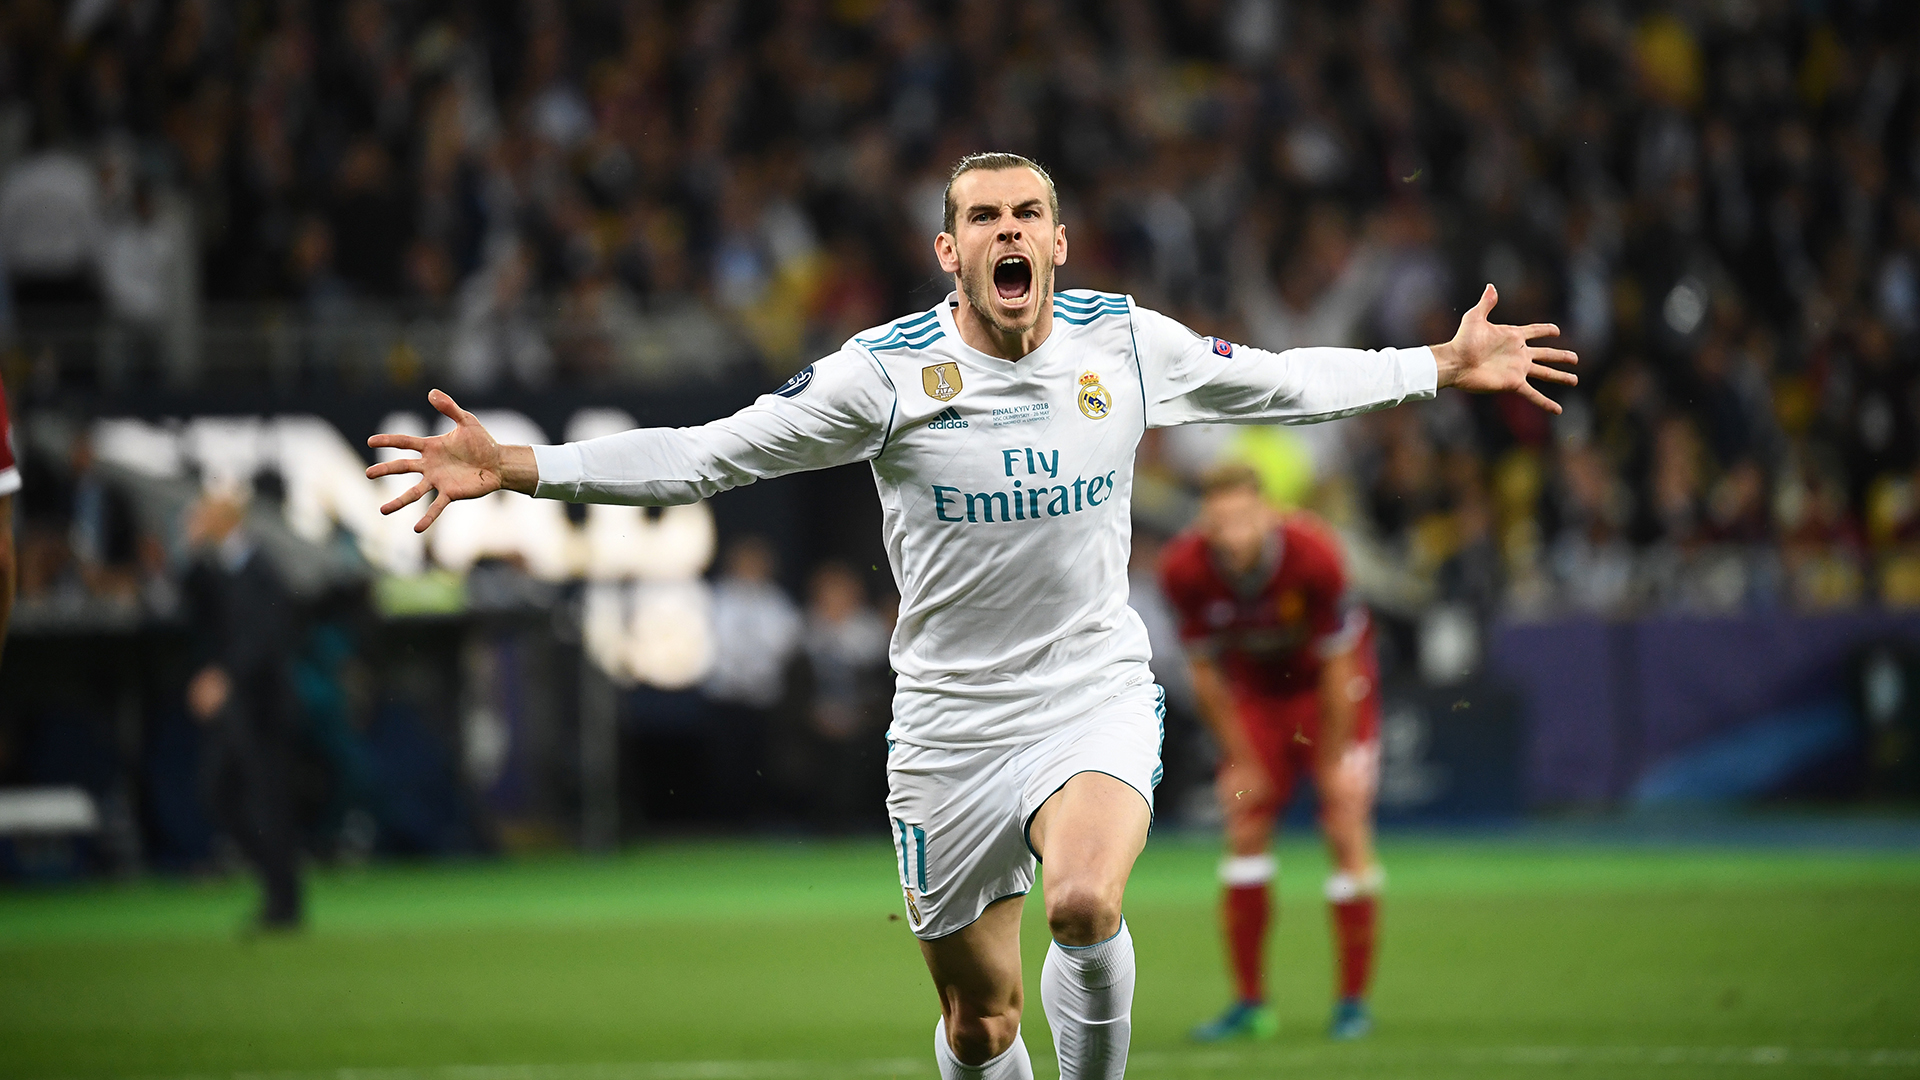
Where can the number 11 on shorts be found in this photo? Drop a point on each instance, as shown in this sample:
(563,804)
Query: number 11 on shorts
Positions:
(912,841)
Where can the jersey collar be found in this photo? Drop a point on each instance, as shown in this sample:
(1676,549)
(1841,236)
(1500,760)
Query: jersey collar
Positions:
(1250,584)
(1028,362)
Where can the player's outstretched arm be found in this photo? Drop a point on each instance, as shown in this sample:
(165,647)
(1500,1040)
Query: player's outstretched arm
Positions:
(465,463)
(1490,358)
(1241,777)
(836,411)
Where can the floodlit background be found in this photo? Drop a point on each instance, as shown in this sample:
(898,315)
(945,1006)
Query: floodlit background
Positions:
(1652,666)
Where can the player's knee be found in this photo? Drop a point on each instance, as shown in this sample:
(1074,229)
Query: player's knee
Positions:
(1082,913)
(978,1035)
(1248,834)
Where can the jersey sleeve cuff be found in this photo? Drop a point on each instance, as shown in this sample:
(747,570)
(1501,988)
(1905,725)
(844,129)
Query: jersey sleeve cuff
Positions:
(560,470)
(1422,370)
(9,480)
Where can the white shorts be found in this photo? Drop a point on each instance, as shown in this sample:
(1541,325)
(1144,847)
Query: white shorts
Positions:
(960,817)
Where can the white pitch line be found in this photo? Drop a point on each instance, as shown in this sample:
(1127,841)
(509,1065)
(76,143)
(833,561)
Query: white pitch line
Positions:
(632,1070)
(1533,1057)
(1198,1061)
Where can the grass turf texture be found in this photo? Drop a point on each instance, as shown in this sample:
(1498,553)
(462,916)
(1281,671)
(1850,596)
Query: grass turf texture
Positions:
(780,960)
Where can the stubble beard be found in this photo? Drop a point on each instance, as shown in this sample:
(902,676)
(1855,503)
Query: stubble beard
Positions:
(981,296)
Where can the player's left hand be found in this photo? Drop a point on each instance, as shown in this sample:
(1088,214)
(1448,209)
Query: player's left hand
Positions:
(1490,358)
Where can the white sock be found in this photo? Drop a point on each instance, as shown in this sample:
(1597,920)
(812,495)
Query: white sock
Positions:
(1088,994)
(1012,1064)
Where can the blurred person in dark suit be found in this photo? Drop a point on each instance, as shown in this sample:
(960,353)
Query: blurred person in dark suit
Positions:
(9,483)
(240,618)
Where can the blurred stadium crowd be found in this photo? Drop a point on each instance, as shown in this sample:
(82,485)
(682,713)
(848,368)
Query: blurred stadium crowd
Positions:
(1718,201)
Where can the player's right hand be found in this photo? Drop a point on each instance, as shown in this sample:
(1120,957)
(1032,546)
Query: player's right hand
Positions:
(1242,785)
(464,463)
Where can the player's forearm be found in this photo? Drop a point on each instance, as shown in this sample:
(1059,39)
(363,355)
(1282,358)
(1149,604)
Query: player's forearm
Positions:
(1327,383)
(1306,385)
(1339,713)
(1217,710)
(669,466)
(644,467)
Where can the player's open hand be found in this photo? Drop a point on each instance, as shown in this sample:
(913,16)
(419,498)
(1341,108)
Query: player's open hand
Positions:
(464,463)
(1490,358)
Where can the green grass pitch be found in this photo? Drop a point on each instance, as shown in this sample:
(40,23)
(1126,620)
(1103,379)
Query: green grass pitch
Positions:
(784,961)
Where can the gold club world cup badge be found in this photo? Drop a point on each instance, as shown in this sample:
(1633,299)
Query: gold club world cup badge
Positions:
(942,381)
(1095,402)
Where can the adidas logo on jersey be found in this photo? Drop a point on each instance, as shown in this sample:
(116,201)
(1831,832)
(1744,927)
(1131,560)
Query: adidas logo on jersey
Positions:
(948,418)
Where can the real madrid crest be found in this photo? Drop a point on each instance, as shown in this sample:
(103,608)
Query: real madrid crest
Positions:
(1095,402)
(942,381)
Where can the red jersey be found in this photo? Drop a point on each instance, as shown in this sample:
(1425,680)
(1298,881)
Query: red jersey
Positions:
(1269,631)
(9,467)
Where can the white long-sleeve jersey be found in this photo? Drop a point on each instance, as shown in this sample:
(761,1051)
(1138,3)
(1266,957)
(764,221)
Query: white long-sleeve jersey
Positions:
(1006,486)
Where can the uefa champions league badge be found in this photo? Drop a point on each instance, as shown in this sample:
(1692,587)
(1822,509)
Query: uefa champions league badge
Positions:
(797,385)
(1095,402)
(1223,347)
(941,381)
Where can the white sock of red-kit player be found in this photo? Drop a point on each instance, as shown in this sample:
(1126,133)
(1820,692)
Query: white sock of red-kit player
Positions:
(1353,900)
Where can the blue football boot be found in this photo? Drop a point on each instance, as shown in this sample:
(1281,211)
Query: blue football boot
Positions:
(1350,1020)
(1242,1020)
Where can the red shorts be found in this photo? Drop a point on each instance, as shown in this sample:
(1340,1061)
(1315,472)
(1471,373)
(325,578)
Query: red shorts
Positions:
(1285,732)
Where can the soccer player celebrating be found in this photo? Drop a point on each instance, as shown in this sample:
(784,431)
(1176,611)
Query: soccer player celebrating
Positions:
(1000,427)
(1286,679)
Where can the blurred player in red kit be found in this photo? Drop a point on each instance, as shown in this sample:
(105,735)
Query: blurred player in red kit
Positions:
(9,483)
(1286,678)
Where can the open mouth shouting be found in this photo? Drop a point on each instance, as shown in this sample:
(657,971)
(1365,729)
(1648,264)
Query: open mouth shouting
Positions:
(1013,279)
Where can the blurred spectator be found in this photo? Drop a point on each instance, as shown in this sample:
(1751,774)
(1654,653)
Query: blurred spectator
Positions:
(9,485)
(1720,206)
(846,649)
(1327,284)
(80,537)
(101,528)
(497,336)
(242,692)
(138,257)
(50,229)
(369,219)
(311,270)
(756,634)
(147,274)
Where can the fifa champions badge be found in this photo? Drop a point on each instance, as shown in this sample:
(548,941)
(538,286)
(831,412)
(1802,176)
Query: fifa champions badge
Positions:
(941,381)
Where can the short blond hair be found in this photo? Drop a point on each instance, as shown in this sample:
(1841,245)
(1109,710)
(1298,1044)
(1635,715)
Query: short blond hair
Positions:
(1230,476)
